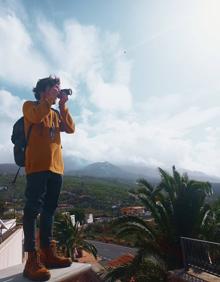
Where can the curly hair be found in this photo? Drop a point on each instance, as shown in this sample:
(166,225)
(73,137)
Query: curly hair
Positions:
(43,84)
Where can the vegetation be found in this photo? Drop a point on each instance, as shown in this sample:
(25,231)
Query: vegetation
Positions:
(2,207)
(178,208)
(71,237)
(211,226)
(92,195)
(98,194)
(147,270)
(79,215)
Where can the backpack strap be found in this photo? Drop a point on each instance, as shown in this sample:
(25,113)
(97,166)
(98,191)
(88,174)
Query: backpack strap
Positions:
(16,175)
(56,111)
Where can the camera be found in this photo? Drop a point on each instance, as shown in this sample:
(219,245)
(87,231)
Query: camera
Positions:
(63,92)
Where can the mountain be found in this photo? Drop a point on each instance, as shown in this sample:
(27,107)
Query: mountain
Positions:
(134,172)
(201,176)
(141,171)
(72,163)
(10,169)
(103,170)
(153,172)
(81,167)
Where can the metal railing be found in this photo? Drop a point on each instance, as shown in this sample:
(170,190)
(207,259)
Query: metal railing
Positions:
(201,255)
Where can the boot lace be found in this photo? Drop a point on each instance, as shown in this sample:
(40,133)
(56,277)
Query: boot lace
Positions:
(54,250)
(38,262)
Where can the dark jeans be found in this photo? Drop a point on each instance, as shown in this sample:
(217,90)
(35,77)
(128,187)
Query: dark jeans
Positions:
(42,194)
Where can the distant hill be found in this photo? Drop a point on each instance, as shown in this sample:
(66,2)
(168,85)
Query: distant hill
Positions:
(103,170)
(73,163)
(81,167)
(153,172)
(134,172)
(140,171)
(9,169)
(201,176)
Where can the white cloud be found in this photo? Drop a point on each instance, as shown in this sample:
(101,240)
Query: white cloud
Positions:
(21,63)
(154,141)
(109,96)
(10,106)
(10,111)
(113,126)
(72,51)
(80,51)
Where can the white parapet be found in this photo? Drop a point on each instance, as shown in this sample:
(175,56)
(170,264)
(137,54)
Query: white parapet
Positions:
(76,272)
(11,250)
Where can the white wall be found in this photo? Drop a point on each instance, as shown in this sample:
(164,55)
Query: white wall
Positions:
(11,250)
(7,224)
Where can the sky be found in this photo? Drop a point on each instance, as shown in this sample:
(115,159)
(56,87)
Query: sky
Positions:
(144,74)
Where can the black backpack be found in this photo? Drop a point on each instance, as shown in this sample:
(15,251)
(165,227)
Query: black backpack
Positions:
(19,141)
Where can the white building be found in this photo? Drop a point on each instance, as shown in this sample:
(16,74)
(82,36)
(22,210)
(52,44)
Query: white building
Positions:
(90,218)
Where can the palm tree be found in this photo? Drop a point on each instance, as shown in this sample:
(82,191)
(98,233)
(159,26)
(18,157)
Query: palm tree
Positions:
(178,208)
(211,223)
(71,237)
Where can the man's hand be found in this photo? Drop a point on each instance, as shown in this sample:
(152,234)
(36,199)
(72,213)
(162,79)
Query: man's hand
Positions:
(63,100)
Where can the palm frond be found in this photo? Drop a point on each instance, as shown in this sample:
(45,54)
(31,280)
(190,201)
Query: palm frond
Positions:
(133,230)
(136,221)
(167,183)
(146,184)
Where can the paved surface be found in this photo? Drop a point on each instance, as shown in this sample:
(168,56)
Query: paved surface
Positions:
(14,273)
(111,251)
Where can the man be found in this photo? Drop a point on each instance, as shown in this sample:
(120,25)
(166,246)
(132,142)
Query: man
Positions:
(44,169)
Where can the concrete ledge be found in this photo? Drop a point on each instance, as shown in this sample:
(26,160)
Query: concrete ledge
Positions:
(78,272)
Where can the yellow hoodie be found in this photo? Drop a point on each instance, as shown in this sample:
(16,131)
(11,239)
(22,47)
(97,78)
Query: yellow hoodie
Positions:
(44,150)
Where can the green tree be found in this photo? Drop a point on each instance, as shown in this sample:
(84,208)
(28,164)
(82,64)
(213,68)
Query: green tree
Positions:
(178,208)
(2,207)
(71,237)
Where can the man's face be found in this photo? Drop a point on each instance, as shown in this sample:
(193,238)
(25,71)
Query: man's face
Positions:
(52,93)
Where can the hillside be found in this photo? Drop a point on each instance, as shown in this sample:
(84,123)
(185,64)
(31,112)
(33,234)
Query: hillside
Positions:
(83,192)
(104,170)
(97,186)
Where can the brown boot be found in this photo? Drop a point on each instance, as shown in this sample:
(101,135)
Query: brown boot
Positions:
(34,269)
(51,259)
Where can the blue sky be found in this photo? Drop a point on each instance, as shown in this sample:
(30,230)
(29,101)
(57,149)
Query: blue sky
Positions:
(145,77)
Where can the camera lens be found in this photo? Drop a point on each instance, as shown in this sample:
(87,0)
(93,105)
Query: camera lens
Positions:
(66,91)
